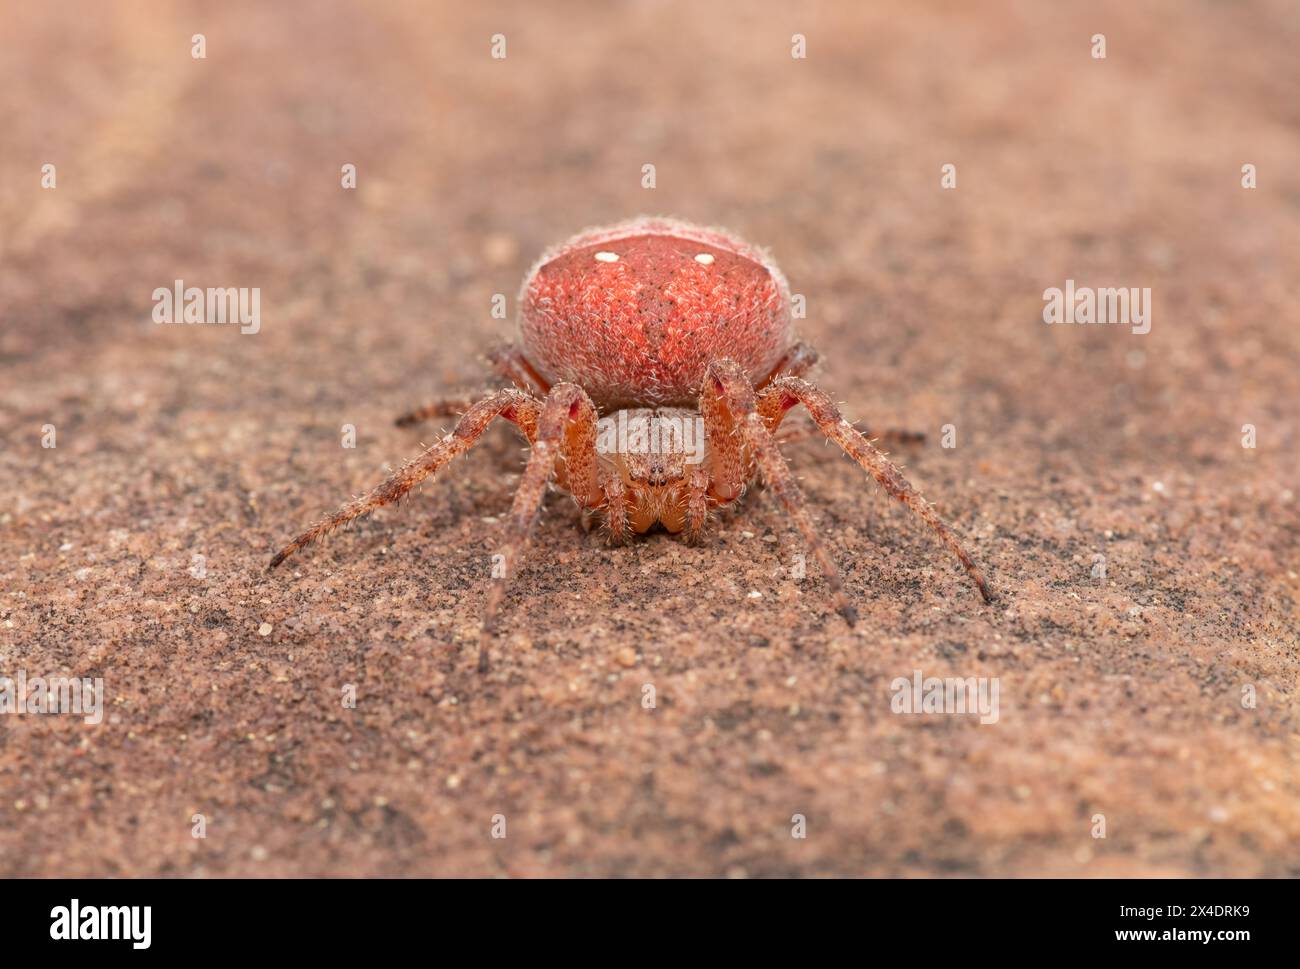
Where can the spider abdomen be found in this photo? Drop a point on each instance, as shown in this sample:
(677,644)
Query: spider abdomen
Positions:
(634,313)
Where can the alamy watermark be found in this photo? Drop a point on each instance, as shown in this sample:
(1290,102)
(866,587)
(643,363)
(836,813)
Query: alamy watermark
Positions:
(79,696)
(953,695)
(129,923)
(1126,306)
(653,434)
(216,304)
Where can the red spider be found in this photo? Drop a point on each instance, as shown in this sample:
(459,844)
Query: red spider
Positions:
(658,326)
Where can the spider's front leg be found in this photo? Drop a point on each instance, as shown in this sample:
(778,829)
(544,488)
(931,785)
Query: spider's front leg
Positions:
(506,361)
(796,363)
(806,432)
(731,417)
(785,392)
(513,405)
(566,429)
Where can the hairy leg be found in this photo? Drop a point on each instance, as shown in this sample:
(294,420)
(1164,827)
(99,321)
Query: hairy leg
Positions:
(697,504)
(615,496)
(726,381)
(806,431)
(774,407)
(799,359)
(507,362)
(785,392)
(728,470)
(446,407)
(514,405)
(566,429)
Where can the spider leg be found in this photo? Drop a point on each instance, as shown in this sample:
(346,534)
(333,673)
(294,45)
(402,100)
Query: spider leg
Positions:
(511,404)
(785,392)
(727,383)
(507,361)
(774,408)
(615,495)
(446,407)
(799,359)
(566,429)
(806,431)
(728,470)
(697,504)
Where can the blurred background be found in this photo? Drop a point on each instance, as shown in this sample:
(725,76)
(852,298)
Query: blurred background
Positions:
(1122,694)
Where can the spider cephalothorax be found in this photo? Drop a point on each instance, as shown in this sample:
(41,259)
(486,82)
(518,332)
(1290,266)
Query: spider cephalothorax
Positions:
(656,361)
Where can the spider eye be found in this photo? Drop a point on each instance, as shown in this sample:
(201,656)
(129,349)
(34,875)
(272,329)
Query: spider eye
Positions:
(704,259)
(607,257)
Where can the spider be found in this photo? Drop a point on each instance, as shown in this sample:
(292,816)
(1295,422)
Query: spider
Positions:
(657,325)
